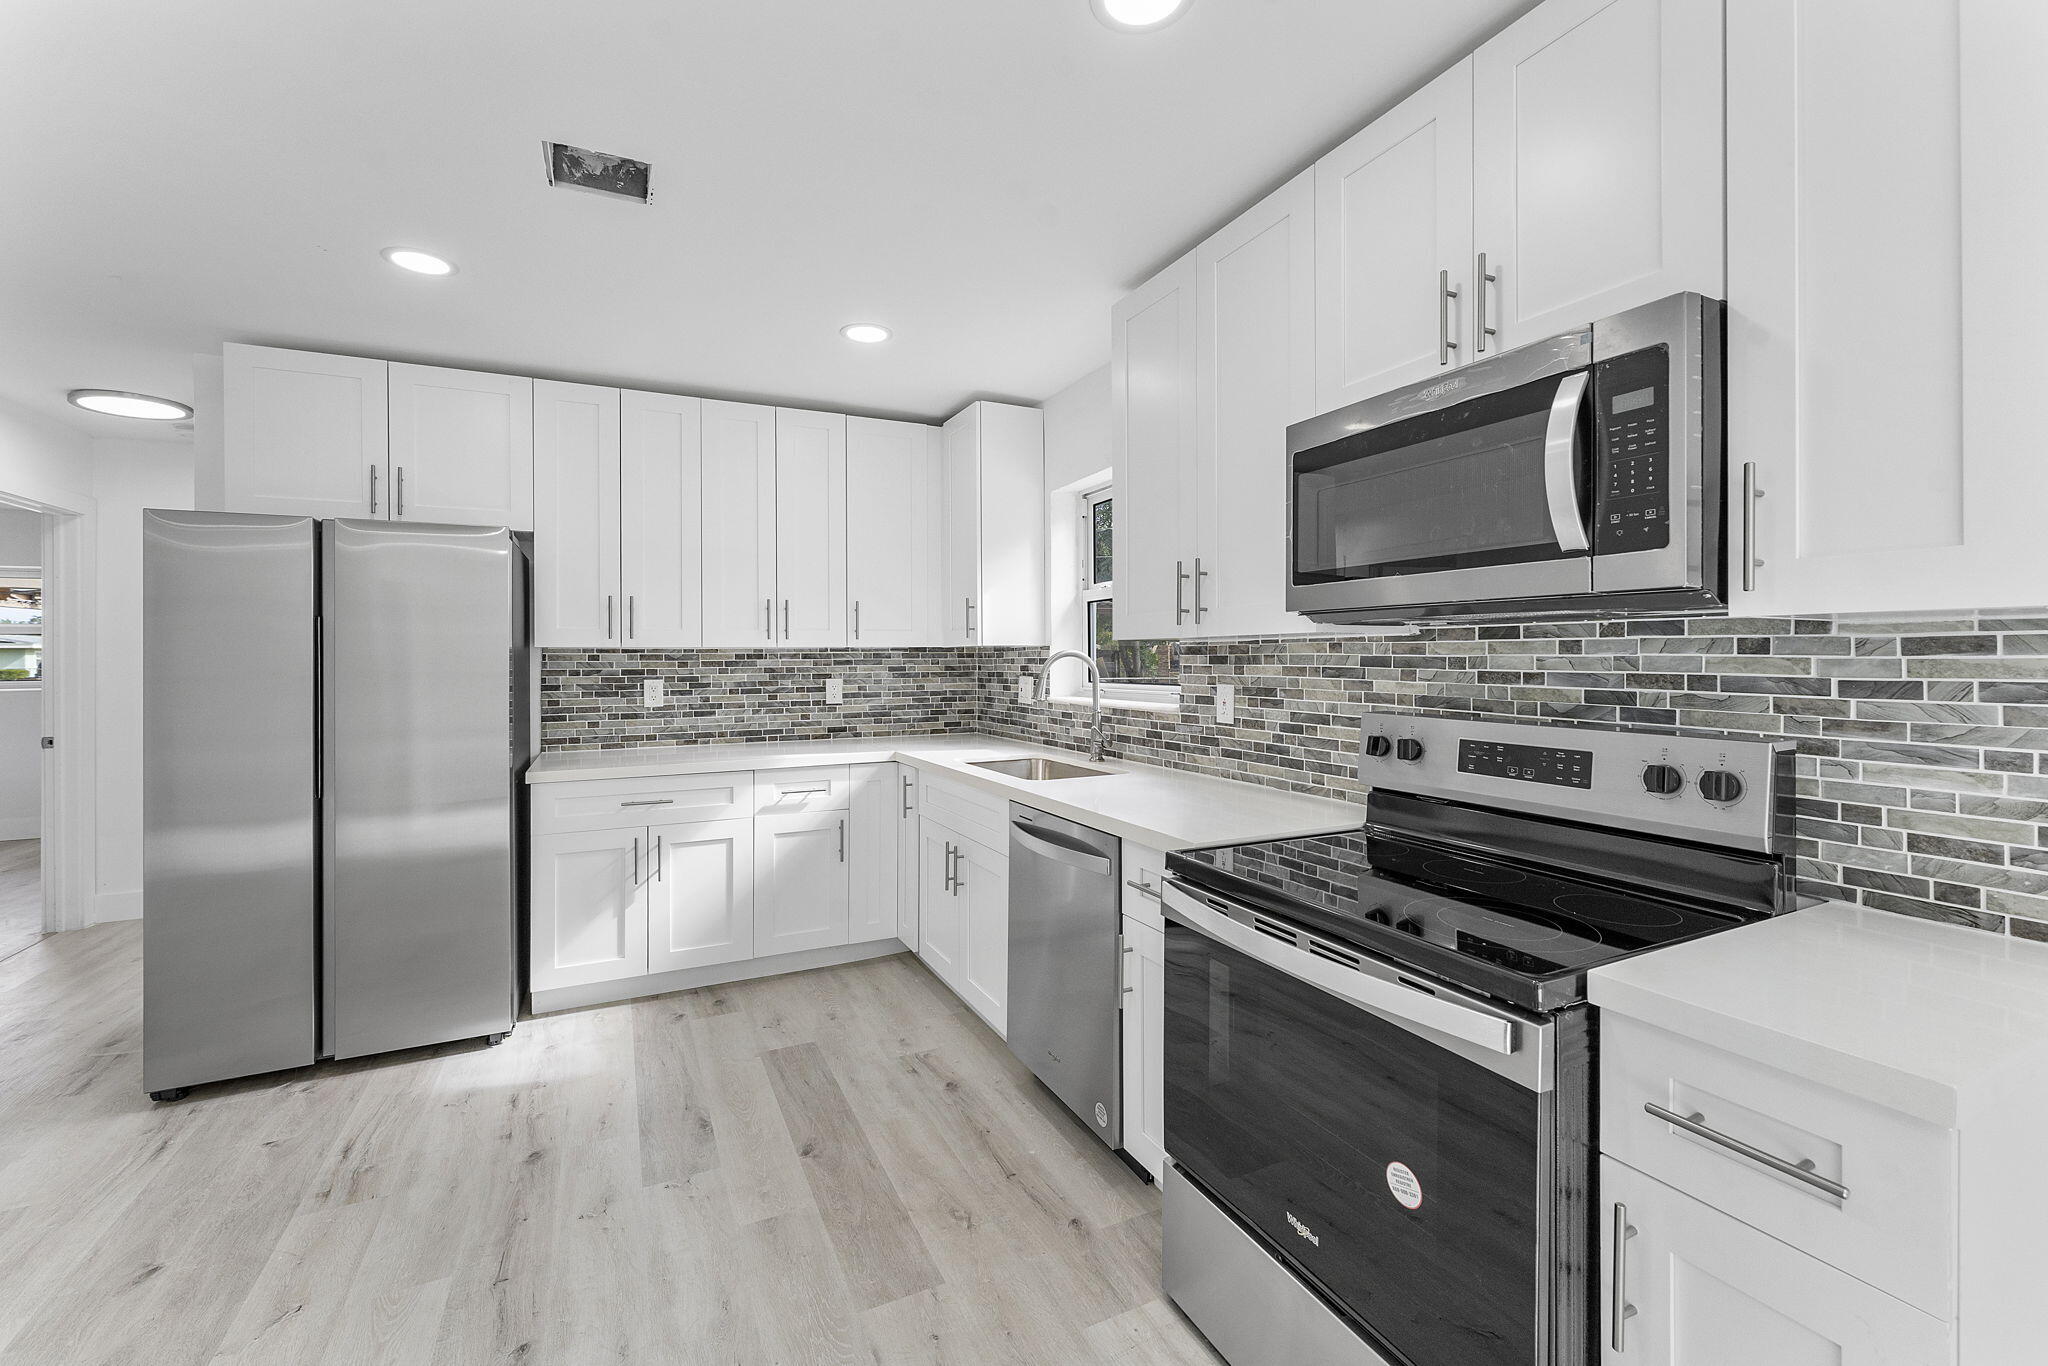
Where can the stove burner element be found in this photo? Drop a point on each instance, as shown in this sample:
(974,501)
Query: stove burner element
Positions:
(1525,929)
(1619,913)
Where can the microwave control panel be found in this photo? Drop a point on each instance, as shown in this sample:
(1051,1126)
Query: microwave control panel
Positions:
(1632,418)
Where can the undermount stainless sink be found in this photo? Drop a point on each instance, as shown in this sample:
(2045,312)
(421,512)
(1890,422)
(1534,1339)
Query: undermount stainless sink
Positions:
(1035,770)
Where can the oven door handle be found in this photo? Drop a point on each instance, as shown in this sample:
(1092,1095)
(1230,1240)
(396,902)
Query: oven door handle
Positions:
(1561,463)
(1476,1027)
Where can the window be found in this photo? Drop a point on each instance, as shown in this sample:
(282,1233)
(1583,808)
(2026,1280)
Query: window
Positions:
(1136,670)
(21,625)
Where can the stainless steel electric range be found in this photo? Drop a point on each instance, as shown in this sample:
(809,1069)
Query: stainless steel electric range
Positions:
(1379,1056)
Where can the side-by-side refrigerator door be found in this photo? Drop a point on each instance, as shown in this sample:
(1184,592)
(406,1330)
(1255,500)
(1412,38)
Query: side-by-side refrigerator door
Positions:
(422,645)
(229,831)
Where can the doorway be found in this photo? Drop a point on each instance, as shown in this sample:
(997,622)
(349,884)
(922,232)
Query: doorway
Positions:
(24,677)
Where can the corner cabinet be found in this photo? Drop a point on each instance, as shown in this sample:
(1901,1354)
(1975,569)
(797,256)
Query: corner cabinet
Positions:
(992,577)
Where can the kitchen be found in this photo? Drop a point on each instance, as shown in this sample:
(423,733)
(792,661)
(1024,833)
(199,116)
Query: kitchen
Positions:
(1470,792)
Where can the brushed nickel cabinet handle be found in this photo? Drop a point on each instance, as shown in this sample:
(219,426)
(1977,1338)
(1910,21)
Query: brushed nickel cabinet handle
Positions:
(1200,574)
(969,615)
(1623,1310)
(1142,889)
(652,801)
(632,616)
(399,508)
(373,490)
(1481,329)
(785,618)
(636,860)
(768,606)
(660,861)
(1444,295)
(1180,582)
(856,618)
(842,840)
(1750,493)
(608,605)
(1696,1125)
(906,794)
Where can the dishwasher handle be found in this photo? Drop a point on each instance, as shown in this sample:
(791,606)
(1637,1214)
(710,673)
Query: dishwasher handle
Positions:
(1047,844)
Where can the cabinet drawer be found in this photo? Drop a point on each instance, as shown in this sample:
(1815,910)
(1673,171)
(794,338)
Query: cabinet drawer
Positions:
(1144,875)
(1895,1227)
(616,803)
(793,791)
(976,814)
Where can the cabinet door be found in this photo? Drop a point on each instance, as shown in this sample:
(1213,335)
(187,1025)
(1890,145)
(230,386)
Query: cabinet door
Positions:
(461,447)
(942,919)
(1393,244)
(1255,369)
(810,527)
(661,520)
(888,532)
(1144,973)
(871,838)
(1708,1290)
(576,595)
(700,894)
(800,882)
(739,525)
(1012,607)
(1152,336)
(589,919)
(1597,162)
(981,878)
(303,434)
(909,857)
(960,529)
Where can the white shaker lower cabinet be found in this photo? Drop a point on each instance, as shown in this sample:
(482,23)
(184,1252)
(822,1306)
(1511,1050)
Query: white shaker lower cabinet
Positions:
(909,856)
(801,889)
(964,930)
(872,833)
(700,894)
(941,922)
(1144,1045)
(589,919)
(1699,1288)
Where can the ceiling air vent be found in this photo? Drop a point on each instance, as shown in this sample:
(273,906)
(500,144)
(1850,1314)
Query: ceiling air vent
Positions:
(579,168)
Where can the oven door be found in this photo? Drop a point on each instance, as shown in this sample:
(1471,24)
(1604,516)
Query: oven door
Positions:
(1397,1160)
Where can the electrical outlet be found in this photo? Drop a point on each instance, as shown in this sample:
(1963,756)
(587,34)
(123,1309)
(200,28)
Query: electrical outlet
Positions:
(835,691)
(1226,704)
(1027,688)
(652,693)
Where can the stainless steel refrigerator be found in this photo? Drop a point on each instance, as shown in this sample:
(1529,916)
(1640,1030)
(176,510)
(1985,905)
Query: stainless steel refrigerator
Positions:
(334,729)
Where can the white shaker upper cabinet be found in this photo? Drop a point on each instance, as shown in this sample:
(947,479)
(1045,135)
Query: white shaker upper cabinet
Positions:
(1152,340)
(303,434)
(576,595)
(993,585)
(960,529)
(1255,374)
(1884,281)
(810,527)
(739,526)
(461,447)
(1393,244)
(890,468)
(661,521)
(1597,163)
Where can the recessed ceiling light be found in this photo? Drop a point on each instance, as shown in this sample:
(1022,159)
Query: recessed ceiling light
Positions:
(1132,15)
(865,332)
(120,403)
(418,262)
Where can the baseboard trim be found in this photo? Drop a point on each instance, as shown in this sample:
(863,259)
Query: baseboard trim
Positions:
(117,906)
(21,828)
(661,983)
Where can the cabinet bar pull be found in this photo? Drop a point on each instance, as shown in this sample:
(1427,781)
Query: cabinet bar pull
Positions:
(1142,889)
(949,869)
(1124,966)
(373,490)
(768,606)
(785,618)
(1180,581)
(970,614)
(400,506)
(660,861)
(1802,1170)
(1750,493)
(906,794)
(1200,574)
(636,860)
(632,617)
(856,618)
(803,791)
(1482,331)
(608,616)
(1623,1310)
(652,801)
(842,839)
(1444,295)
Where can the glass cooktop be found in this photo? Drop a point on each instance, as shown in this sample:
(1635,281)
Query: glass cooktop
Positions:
(1518,933)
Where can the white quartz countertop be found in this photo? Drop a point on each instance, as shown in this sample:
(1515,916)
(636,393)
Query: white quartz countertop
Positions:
(1160,807)
(1924,1018)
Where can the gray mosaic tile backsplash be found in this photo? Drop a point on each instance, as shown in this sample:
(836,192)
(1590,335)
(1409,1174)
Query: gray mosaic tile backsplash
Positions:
(1922,782)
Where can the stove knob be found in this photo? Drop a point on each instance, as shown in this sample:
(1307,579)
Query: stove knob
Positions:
(1378,916)
(1378,746)
(1719,785)
(1408,751)
(1410,926)
(1662,779)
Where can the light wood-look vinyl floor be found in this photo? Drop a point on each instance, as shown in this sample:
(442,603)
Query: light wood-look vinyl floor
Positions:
(21,895)
(841,1166)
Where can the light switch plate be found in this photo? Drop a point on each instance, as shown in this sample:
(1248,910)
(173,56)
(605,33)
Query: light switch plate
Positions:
(1226,704)
(652,693)
(1027,688)
(835,691)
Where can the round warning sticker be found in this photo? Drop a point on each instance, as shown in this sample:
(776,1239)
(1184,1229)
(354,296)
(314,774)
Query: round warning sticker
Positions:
(1401,1181)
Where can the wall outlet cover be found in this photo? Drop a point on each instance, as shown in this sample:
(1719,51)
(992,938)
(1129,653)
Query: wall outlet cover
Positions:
(1226,704)
(1027,688)
(652,693)
(835,691)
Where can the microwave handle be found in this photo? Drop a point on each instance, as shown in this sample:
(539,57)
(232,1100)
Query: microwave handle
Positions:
(1561,463)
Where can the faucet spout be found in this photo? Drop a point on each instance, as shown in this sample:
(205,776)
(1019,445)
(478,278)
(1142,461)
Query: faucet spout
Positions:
(1095,733)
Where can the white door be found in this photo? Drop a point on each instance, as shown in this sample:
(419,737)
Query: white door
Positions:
(1597,166)
(942,920)
(589,918)
(909,857)
(661,520)
(981,878)
(1152,337)
(871,837)
(1393,244)
(739,525)
(960,529)
(888,532)
(1255,373)
(1708,1290)
(1144,997)
(700,894)
(810,527)
(304,434)
(800,882)
(461,447)
(576,594)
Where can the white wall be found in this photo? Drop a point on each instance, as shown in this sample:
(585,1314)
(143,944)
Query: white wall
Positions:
(21,538)
(43,461)
(128,476)
(1077,430)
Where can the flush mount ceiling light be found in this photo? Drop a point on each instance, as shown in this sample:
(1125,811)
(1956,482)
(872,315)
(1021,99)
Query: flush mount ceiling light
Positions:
(418,262)
(865,332)
(1132,16)
(121,403)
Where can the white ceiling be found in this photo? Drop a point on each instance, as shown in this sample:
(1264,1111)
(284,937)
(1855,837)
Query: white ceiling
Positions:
(984,176)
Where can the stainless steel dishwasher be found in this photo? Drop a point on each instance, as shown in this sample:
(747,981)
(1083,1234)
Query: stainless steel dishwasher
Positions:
(1065,1010)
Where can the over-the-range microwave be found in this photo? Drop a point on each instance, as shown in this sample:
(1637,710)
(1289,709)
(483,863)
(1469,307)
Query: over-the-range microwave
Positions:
(1581,475)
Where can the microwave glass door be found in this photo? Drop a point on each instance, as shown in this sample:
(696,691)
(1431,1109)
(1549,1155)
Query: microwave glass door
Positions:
(1399,1178)
(1495,480)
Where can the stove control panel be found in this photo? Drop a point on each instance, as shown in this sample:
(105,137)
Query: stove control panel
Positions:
(1527,763)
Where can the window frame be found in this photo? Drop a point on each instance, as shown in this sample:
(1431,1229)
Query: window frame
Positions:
(1092,590)
(26,628)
